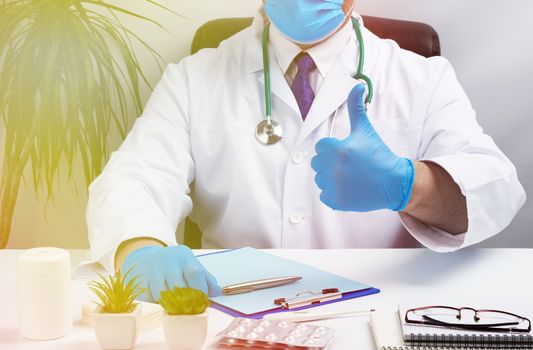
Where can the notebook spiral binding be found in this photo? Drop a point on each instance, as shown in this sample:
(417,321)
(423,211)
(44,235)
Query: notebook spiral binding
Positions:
(475,341)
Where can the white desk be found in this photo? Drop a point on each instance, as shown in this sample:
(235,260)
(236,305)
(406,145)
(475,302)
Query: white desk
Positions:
(409,276)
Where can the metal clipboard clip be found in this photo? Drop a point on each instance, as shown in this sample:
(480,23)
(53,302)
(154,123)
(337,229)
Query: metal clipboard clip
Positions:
(309,298)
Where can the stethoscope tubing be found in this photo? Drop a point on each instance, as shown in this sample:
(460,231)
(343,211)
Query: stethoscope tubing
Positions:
(266,72)
(361,66)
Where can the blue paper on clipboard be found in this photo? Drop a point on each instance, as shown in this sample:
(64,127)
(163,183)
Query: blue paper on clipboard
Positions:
(248,264)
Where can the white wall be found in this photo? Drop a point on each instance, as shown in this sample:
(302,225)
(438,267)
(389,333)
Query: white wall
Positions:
(488,42)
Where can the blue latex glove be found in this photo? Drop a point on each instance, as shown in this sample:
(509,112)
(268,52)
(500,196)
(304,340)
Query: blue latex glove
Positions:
(161,268)
(360,173)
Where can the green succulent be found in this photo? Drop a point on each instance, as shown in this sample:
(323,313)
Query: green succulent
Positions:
(184,301)
(116,296)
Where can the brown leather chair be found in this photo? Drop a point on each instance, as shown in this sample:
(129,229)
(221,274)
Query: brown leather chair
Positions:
(414,36)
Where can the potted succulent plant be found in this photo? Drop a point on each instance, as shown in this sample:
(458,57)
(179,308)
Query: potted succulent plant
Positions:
(184,318)
(117,319)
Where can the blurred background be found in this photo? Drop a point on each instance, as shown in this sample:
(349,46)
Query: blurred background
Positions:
(487,41)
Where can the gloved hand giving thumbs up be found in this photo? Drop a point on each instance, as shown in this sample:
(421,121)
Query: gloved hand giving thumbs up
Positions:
(361,173)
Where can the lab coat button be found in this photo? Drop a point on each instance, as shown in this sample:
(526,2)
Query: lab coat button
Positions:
(298,157)
(296,219)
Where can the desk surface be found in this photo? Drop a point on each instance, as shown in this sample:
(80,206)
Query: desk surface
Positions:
(405,276)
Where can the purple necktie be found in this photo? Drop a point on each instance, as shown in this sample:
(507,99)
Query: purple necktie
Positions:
(301,87)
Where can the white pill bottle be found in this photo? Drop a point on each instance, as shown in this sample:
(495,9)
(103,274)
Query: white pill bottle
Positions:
(44,293)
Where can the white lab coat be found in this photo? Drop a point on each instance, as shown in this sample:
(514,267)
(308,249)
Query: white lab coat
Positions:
(195,143)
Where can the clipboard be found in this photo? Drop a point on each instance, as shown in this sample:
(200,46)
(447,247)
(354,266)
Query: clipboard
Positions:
(247,264)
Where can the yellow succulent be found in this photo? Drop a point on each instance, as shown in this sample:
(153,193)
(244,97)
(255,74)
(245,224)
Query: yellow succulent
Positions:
(116,296)
(184,301)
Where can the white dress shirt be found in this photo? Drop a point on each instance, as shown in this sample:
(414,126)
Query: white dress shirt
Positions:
(324,55)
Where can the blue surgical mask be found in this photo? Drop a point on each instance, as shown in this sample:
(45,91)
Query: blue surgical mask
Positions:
(306,21)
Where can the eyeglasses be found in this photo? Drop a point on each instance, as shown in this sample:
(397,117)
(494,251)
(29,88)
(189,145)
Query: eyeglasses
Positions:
(468,318)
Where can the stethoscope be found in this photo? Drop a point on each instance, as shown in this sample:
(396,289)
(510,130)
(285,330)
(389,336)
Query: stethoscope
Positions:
(268,131)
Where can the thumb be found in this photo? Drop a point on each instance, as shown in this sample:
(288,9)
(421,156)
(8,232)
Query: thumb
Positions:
(356,108)
(213,286)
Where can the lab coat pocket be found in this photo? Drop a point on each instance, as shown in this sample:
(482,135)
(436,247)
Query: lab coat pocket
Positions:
(402,137)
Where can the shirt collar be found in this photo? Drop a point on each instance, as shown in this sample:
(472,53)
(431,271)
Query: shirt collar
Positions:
(324,54)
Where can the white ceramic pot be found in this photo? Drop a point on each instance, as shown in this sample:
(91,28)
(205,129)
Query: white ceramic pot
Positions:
(185,332)
(117,331)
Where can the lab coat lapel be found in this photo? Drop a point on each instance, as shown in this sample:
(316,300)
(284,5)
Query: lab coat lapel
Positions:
(279,86)
(331,95)
(254,56)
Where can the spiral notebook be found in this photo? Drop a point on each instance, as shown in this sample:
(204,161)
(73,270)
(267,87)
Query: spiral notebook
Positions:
(390,334)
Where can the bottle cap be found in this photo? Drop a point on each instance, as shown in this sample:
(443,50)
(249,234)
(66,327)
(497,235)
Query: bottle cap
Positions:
(43,263)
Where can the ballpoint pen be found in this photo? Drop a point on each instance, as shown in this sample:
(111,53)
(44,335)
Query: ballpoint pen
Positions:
(250,286)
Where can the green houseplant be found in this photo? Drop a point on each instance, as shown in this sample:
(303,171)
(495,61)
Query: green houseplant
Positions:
(117,318)
(69,77)
(184,318)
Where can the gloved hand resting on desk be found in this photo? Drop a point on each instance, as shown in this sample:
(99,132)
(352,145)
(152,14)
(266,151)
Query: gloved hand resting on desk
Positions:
(161,268)
(361,173)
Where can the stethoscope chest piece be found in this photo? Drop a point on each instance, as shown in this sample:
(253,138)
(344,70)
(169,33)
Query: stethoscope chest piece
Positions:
(268,132)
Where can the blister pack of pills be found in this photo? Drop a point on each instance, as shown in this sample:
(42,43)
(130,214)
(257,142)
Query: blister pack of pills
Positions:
(245,333)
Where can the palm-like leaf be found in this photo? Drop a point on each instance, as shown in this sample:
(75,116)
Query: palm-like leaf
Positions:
(115,295)
(68,77)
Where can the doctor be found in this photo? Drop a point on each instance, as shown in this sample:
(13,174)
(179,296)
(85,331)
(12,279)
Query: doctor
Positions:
(415,168)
